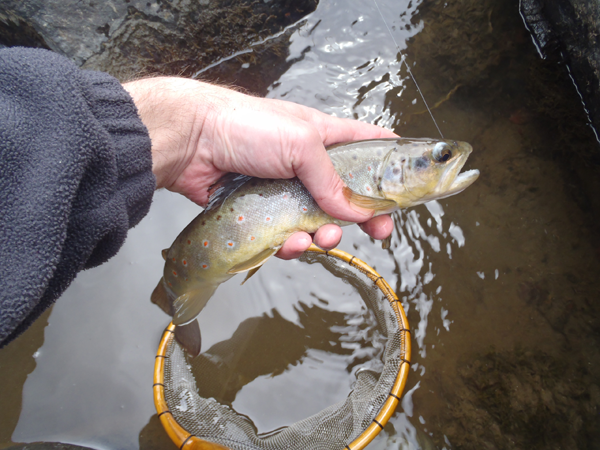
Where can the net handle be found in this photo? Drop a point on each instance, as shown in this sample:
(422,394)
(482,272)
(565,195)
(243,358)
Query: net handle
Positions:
(187,441)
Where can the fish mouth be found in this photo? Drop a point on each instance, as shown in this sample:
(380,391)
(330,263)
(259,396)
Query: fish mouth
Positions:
(462,181)
(454,181)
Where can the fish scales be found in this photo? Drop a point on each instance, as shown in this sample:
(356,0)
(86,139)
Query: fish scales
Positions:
(247,222)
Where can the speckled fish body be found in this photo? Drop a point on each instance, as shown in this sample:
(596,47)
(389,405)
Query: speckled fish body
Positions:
(248,219)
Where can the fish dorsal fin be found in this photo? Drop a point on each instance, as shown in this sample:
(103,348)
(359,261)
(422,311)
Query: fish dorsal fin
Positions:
(377,204)
(188,305)
(164,253)
(255,262)
(160,298)
(223,188)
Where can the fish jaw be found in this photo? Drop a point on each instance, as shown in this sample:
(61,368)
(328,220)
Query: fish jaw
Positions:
(453,181)
(462,181)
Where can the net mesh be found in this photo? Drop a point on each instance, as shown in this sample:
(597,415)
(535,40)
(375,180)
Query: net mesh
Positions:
(332,428)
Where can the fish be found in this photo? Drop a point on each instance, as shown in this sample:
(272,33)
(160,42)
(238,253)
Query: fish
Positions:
(247,219)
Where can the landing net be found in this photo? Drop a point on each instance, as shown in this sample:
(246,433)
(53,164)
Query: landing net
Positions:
(353,423)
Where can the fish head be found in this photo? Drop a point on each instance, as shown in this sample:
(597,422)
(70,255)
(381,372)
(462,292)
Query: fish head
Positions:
(421,170)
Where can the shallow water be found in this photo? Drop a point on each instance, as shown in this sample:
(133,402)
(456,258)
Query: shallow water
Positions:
(500,282)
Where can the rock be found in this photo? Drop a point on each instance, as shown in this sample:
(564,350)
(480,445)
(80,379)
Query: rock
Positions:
(128,38)
(571,28)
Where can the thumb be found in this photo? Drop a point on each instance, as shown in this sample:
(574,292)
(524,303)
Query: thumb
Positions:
(315,169)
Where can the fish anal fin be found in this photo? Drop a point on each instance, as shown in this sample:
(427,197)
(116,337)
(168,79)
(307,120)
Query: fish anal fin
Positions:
(188,305)
(387,242)
(255,262)
(250,273)
(160,298)
(189,337)
(374,203)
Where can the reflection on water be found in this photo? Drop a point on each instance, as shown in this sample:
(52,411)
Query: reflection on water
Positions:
(499,283)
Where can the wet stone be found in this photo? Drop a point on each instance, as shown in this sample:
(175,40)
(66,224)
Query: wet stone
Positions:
(129,38)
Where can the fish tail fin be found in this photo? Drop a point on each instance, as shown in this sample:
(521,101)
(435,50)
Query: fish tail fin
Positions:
(189,337)
(187,306)
(160,298)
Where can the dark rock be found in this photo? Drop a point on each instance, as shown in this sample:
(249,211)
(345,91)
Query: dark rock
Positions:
(129,38)
(47,446)
(572,28)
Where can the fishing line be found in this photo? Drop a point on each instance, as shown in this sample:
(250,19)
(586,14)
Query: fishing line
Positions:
(404,60)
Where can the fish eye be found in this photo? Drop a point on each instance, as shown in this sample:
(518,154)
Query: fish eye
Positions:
(442,152)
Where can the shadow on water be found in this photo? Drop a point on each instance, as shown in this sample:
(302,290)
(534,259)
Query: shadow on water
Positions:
(500,283)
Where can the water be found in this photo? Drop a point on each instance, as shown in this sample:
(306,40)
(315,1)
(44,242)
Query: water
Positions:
(500,282)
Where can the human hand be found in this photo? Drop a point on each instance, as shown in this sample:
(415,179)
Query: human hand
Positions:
(200,131)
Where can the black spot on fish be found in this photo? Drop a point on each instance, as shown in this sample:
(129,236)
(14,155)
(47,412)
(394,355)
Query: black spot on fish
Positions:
(231,210)
(218,217)
(203,222)
(396,170)
(421,163)
(260,195)
(354,157)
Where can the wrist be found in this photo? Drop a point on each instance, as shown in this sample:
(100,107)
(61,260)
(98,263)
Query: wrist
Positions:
(175,112)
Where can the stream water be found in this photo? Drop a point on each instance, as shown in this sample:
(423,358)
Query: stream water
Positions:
(500,283)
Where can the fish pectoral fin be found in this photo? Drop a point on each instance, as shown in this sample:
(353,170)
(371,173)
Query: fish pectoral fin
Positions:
(377,204)
(188,305)
(161,299)
(189,337)
(255,262)
(387,242)
(164,253)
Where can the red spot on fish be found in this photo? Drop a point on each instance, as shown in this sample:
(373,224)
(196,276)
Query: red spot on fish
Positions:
(184,262)
(169,283)
(205,243)
(350,175)
(174,273)
(204,266)
(230,244)
(368,188)
(267,219)
(174,260)
(252,238)
(189,242)
(240,218)
(304,209)
(369,168)
(285,196)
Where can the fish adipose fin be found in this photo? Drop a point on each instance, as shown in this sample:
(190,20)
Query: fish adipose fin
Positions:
(377,204)
(164,253)
(187,306)
(189,337)
(255,262)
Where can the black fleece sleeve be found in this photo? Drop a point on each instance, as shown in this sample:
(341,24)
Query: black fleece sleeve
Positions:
(75,175)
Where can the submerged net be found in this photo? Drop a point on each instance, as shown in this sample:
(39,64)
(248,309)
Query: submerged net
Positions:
(203,423)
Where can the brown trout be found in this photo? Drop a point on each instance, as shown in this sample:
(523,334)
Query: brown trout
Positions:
(248,219)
